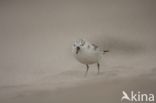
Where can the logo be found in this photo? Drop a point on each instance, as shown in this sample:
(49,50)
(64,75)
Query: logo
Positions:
(137,97)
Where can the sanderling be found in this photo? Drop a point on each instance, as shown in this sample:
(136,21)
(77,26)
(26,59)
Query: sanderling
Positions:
(87,53)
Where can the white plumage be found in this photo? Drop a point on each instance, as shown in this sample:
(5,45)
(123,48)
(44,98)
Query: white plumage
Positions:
(87,53)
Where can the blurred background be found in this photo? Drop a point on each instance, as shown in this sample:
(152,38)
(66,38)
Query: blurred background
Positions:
(36,38)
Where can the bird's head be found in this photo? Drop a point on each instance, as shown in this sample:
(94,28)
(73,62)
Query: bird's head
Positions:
(78,44)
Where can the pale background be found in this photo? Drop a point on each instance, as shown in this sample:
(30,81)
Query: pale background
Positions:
(35,49)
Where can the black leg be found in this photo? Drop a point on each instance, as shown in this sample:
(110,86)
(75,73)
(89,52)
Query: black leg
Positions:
(98,65)
(87,70)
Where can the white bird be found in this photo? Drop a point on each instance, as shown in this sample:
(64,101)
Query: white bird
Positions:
(87,53)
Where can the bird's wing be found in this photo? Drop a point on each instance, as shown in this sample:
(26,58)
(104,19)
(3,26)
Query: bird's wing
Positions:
(94,46)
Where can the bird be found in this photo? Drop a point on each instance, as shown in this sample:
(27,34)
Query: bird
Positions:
(87,53)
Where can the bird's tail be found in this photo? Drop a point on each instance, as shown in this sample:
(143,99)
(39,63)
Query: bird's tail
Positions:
(105,51)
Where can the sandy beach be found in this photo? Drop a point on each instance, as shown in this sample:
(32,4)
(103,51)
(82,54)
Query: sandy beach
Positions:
(36,62)
(91,92)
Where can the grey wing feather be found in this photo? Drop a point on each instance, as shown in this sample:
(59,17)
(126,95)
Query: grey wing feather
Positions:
(95,46)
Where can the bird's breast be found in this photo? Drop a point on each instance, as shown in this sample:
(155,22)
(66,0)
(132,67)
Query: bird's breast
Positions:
(88,57)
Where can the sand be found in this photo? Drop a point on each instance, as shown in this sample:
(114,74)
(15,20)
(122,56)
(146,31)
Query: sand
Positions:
(36,63)
(109,91)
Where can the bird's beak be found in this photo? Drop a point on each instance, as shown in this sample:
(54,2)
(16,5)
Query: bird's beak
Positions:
(77,50)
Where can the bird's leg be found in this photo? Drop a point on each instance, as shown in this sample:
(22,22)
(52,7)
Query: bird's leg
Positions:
(98,65)
(87,69)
